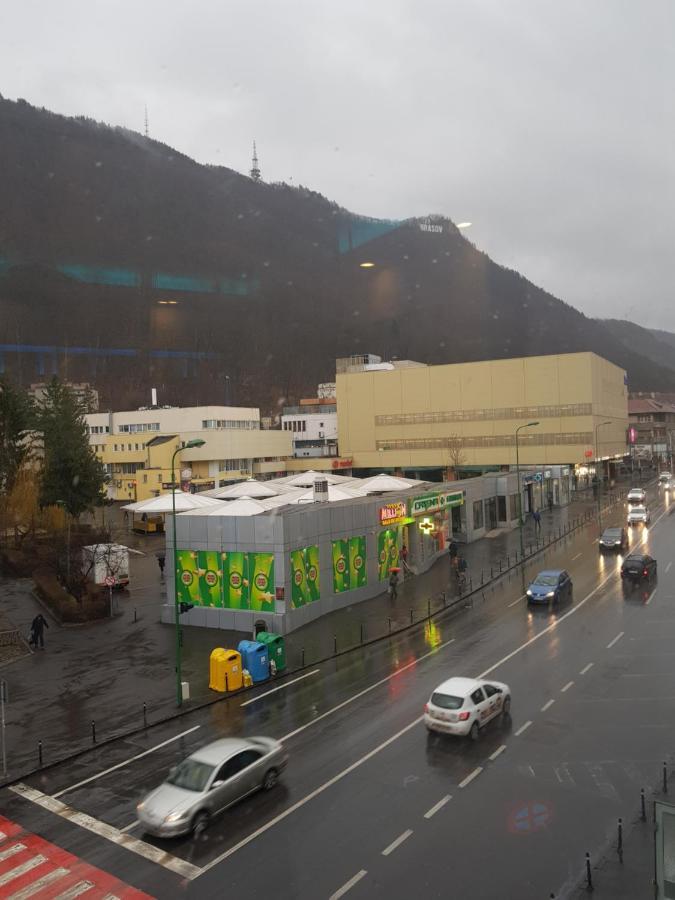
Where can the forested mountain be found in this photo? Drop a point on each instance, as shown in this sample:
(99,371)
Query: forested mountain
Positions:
(126,264)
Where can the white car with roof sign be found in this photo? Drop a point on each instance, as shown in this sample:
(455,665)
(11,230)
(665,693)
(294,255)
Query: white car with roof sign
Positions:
(463,705)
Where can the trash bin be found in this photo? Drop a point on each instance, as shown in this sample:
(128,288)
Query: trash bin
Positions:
(233,671)
(255,658)
(276,646)
(217,668)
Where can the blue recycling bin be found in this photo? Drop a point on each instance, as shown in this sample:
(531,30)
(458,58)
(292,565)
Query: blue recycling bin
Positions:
(256,659)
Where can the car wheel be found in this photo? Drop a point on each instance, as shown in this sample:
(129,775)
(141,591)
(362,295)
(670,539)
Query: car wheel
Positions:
(270,779)
(200,823)
(506,708)
(475,731)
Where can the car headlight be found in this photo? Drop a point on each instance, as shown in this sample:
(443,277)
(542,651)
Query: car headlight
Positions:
(529,592)
(550,594)
(175,817)
(617,543)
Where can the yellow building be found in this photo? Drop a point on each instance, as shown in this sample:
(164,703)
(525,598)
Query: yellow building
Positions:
(413,417)
(136,447)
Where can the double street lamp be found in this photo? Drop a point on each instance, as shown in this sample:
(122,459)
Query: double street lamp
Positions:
(520,494)
(197,442)
(599,480)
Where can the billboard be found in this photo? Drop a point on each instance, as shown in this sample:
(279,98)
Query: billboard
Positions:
(349,564)
(261,576)
(235,580)
(388,548)
(304,576)
(227,580)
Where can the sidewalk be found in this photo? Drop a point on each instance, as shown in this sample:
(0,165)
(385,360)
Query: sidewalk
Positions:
(105,672)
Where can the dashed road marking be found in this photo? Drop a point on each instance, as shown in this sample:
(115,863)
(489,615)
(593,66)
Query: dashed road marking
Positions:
(517,600)
(523,728)
(130,826)
(498,752)
(567,687)
(586,668)
(651,597)
(280,688)
(434,809)
(114,835)
(577,556)
(470,777)
(547,705)
(348,885)
(125,763)
(397,843)
(614,640)
(668,567)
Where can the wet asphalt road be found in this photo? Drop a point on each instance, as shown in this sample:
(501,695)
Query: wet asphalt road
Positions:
(363,799)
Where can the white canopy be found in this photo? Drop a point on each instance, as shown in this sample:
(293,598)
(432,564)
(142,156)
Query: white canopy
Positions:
(382,483)
(335,493)
(307,479)
(249,488)
(242,506)
(162,504)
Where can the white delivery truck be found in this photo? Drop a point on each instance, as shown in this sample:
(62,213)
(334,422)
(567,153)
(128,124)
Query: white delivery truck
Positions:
(106,561)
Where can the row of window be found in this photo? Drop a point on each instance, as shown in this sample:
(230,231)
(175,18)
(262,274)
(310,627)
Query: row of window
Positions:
(234,465)
(296,425)
(479,415)
(98,429)
(141,426)
(489,512)
(531,439)
(249,424)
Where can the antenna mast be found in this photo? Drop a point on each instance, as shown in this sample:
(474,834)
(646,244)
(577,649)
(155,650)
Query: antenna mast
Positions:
(255,168)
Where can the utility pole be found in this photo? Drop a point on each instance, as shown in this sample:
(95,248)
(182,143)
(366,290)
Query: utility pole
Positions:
(3,699)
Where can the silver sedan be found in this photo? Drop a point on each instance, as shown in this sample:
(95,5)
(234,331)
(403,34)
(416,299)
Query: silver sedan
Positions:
(207,782)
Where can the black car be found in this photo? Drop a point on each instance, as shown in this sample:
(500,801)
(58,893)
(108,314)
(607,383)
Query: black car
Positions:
(638,567)
(614,539)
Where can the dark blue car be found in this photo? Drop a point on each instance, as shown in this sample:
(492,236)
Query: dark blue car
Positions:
(550,586)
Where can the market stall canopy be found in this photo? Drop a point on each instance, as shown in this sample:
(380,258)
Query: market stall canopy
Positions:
(162,504)
(335,493)
(307,479)
(242,506)
(379,484)
(249,488)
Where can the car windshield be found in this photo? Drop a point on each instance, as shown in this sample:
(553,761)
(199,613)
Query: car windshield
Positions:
(638,511)
(634,561)
(191,775)
(546,580)
(612,534)
(446,701)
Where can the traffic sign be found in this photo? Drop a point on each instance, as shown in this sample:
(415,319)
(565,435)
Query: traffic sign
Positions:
(110,580)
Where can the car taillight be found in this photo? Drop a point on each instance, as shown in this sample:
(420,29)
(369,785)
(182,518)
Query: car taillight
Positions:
(463,716)
(426,707)
(644,572)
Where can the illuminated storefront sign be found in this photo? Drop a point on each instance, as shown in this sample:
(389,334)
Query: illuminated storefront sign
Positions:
(394,513)
(433,503)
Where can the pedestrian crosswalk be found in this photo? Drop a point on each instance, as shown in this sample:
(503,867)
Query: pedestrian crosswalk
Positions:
(32,867)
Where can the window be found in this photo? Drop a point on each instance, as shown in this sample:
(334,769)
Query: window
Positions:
(513,504)
(115,448)
(478,514)
(145,479)
(159,477)
(501,509)
(491,690)
(478,696)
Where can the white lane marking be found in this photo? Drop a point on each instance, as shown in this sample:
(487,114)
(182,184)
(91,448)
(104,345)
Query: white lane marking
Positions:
(280,688)
(130,826)
(397,843)
(668,567)
(37,886)
(11,851)
(586,668)
(651,597)
(348,885)
(577,556)
(470,777)
(315,793)
(523,728)
(434,809)
(17,871)
(114,835)
(547,705)
(498,752)
(614,640)
(372,687)
(567,687)
(517,600)
(76,890)
(125,763)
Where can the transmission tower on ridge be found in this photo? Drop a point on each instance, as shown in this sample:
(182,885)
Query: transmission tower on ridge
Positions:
(255,168)
(147,126)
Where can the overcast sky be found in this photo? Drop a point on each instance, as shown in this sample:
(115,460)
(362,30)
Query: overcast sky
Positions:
(546,123)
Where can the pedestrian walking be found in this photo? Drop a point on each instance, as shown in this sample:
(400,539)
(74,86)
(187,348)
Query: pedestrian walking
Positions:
(393,585)
(536,515)
(37,635)
(161,559)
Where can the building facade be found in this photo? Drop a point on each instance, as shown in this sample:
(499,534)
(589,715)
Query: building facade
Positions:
(424,420)
(136,447)
(652,426)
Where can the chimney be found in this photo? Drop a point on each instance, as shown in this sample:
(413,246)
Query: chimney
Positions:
(154,398)
(321,490)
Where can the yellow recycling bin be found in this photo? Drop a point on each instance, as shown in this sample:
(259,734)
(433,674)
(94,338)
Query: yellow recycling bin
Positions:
(233,670)
(217,668)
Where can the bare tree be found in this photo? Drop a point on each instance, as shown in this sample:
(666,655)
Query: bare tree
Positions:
(456,453)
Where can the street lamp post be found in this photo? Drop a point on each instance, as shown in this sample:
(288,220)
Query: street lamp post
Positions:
(597,454)
(520,493)
(197,442)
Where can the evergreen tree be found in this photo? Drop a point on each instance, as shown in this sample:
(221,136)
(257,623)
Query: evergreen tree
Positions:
(71,473)
(16,417)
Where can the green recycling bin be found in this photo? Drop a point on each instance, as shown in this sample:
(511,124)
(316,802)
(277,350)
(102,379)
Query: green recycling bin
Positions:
(276,648)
